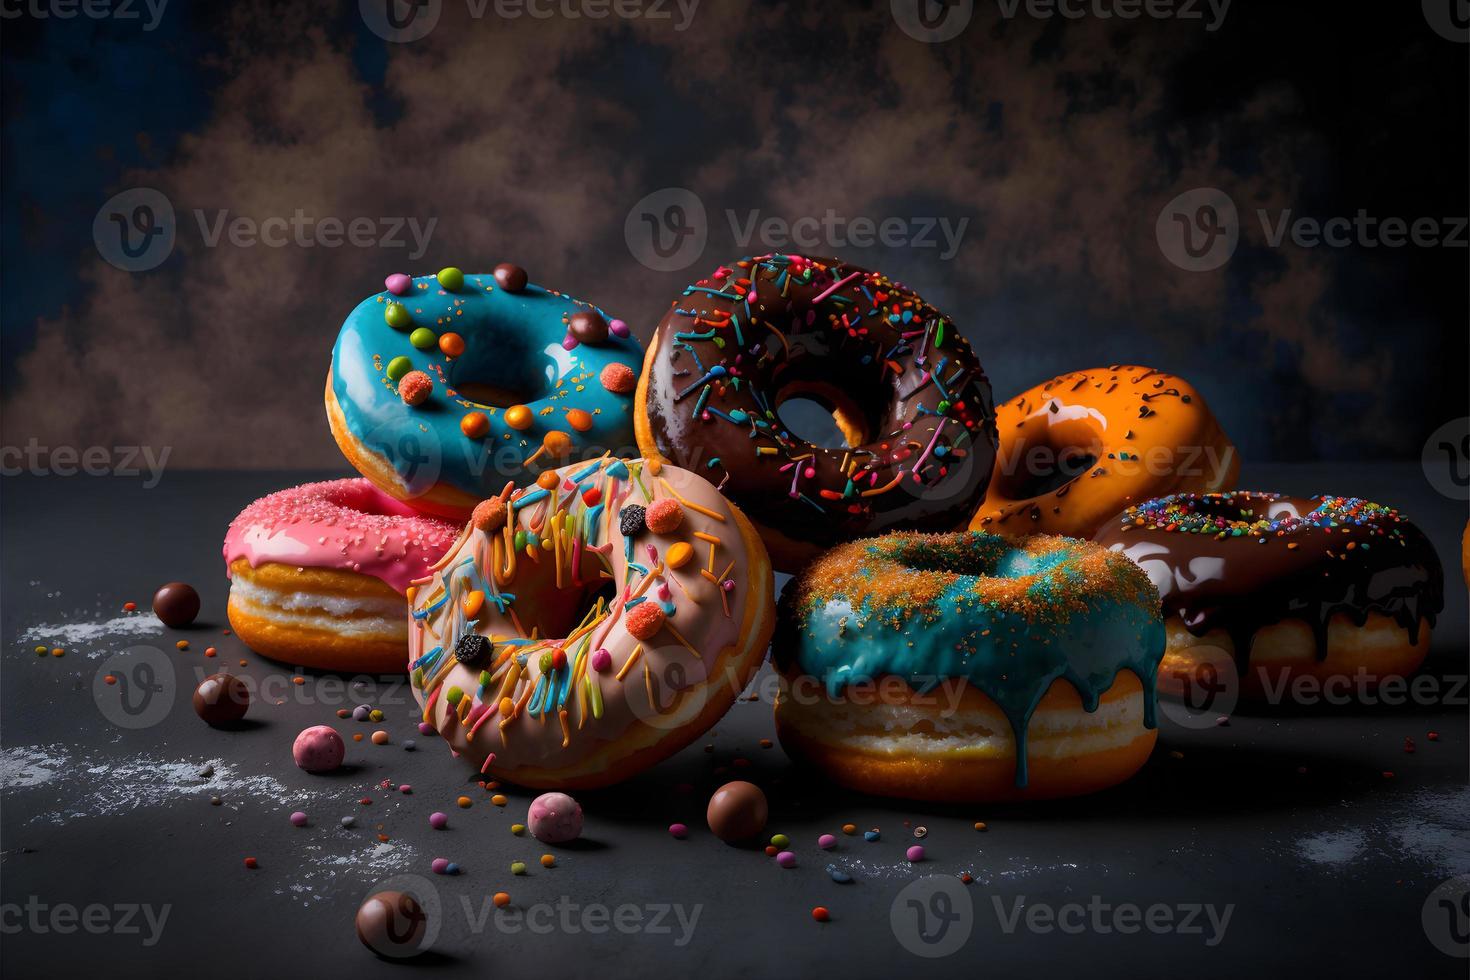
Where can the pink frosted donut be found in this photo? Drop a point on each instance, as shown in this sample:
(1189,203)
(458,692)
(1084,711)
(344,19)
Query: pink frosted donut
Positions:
(318,749)
(318,574)
(555,818)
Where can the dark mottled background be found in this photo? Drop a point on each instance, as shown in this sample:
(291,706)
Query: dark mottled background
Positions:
(1059,140)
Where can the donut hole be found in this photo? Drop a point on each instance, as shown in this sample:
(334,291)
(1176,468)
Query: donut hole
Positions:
(1047,457)
(824,416)
(502,374)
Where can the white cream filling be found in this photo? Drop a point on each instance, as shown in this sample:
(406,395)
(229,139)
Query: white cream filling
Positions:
(327,613)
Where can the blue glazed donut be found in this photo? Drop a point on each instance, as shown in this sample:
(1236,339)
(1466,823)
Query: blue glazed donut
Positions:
(969,667)
(444,388)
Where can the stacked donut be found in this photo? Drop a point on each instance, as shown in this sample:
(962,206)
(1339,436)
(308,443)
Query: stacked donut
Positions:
(568,543)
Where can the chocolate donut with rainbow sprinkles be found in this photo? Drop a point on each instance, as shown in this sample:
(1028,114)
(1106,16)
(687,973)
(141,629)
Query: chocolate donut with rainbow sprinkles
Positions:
(1267,590)
(904,388)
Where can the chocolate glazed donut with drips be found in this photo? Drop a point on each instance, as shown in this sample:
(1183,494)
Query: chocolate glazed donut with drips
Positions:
(1243,561)
(903,385)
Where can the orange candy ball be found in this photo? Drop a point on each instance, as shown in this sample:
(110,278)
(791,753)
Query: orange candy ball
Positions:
(548,480)
(452,344)
(557,443)
(664,516)
(645,620)
(579,420)
(489,515)
(519,417)
(618,379)
(476,425)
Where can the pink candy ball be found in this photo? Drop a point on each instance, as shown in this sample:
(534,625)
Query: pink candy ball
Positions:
(786,859)
(601,661)
(318,749)
(618,328)
(555,818)
(438,820)
(298,819)
(916,853)
(678,831)
(398,284)
(826,842)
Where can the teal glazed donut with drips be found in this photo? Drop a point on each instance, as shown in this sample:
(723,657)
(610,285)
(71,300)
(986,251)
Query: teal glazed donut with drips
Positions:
(954,616)
(445,388)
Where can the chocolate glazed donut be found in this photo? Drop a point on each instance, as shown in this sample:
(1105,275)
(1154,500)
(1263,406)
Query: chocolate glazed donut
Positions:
(1241,563)
(902,384)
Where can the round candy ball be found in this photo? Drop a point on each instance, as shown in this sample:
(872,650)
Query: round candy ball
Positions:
(318,749)
(737,811)
(221,699)
(392,924)
(555,818)
(588,326)
(176,604)
(398,284)
(511,278)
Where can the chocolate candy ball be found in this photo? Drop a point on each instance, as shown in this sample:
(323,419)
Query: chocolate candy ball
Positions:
(176,604)
(392,924)
(737,811)
(555,818)
(221,699)
(512,278)
(588,326)
(318,749)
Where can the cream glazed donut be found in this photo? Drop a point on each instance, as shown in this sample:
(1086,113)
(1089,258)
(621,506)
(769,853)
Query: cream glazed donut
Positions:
(318,574)
(585,628)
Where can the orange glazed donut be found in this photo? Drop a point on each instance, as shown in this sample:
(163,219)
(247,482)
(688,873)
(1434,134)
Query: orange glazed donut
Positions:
(1079,448)
(318,574)
(585,628)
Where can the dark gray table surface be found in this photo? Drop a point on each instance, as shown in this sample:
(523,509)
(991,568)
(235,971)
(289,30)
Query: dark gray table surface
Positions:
(1286,819)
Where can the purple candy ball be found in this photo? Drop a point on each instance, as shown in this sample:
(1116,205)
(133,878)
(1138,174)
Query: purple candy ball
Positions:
(916,853)
(786,859)
(298,819)
(438,820)
(318,749)
(678,831)
(554,818)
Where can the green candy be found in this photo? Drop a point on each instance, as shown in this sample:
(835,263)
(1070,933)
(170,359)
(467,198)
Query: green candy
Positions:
(397,316)
(424,339)
(546,662)
(943,406)
(398,367)
(780,840)
(518,867)
(451,279)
